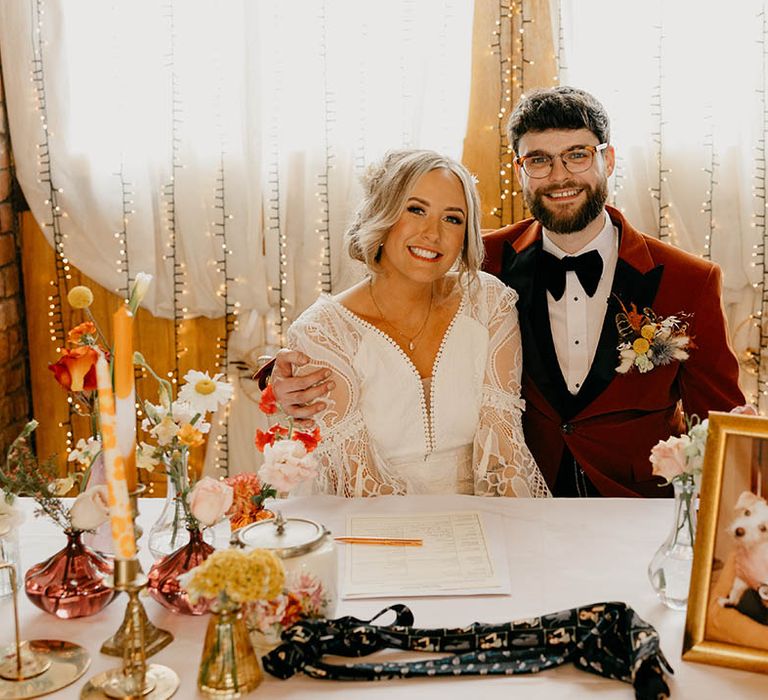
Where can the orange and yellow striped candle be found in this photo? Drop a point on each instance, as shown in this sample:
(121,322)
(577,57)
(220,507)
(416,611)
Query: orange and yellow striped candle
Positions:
(125,393)
(114,466)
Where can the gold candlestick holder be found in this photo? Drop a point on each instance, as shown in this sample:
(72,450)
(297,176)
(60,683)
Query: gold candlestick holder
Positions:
(134,679)
(29,669)
(155,638)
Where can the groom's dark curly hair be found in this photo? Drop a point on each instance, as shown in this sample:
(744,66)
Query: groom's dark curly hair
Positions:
(560,107)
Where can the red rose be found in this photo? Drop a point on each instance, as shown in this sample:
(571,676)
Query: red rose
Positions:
(309,440)
(274,433)
(76,368)
(267,403)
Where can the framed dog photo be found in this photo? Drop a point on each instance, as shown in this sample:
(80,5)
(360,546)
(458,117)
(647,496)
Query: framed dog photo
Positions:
(727,619)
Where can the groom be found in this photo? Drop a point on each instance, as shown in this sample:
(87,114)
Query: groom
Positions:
(576,266)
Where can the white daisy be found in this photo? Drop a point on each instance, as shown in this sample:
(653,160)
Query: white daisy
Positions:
(203,392)
(184,413)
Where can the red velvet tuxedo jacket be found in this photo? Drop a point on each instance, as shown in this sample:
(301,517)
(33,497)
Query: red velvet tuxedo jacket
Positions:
(613,422)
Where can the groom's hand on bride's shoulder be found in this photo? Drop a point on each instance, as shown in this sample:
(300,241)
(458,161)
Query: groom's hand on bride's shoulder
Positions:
(299,393)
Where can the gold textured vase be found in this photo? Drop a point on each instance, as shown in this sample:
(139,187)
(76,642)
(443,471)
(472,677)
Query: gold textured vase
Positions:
(229,666)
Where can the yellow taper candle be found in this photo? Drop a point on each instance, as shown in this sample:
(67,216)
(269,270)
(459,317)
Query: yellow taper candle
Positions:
(125,393)
(114,466)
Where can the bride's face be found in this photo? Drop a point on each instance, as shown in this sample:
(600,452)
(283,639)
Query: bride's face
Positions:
(429,236)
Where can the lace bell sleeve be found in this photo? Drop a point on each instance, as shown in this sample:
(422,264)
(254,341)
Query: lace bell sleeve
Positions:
(347,457)
(503,464)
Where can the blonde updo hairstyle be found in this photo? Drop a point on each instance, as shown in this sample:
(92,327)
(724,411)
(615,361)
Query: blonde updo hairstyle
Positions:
(386,186)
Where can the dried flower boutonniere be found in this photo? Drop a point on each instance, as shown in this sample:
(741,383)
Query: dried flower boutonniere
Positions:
(649,341)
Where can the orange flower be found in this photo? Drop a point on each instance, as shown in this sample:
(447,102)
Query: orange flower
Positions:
(267,403)
(189,435)
(78,333)
(263,439)
(76,368)
(309,440)
(244,511)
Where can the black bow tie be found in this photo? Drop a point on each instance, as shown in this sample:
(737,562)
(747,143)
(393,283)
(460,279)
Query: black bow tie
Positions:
(587,266)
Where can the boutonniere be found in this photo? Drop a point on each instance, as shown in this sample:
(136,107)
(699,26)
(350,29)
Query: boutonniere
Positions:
(649,341)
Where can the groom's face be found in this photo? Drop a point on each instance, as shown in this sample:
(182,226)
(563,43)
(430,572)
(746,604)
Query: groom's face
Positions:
(565,202)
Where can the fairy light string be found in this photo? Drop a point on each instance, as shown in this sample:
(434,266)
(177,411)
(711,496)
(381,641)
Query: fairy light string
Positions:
(710,169)
(172,253)
(509,74)
(323,229)
(406,65)
(231,308)
(123,263)
(760,254)
(659,191)
(60,285)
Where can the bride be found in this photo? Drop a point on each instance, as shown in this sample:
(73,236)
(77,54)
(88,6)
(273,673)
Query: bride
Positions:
(423,357)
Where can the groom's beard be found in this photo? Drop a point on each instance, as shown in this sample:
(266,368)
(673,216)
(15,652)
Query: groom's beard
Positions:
(573,221)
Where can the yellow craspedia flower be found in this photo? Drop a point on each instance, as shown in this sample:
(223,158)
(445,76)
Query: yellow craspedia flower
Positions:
(648,331)
(80,297)
(237,576)
(641,346)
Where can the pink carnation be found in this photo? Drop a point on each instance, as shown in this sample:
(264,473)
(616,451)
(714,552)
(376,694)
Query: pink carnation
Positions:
(286,465)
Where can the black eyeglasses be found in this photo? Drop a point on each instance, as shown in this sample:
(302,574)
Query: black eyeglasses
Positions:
(575,160)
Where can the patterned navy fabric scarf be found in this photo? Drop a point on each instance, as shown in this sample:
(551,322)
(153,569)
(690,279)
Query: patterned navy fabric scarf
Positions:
(607,639)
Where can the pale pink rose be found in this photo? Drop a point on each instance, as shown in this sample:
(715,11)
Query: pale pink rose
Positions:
(668,457)
(286,465)
(90,509)
(746,410)
(209,500)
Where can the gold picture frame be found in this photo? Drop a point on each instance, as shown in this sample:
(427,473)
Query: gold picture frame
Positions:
(736,461)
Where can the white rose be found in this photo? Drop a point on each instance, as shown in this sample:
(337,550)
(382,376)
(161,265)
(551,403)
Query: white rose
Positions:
(90,509)
(209,500)
(10,516)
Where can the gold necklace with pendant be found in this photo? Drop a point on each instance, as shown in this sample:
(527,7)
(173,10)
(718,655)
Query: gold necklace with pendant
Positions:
(412,340)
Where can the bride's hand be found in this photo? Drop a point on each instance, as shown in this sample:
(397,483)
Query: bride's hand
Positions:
(299,396)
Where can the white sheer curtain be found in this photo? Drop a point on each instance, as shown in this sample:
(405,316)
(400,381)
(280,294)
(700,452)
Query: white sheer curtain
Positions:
(179,135)
(684,83)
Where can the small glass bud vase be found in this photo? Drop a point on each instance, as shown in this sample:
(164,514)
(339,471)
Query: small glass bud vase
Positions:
(9,553)
(670,568)
(169,531)
(229,667)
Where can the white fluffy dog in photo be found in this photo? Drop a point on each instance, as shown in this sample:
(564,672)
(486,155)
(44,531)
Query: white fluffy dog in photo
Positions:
(750,532)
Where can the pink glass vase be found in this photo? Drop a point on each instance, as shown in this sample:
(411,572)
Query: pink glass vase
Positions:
(164,584)
(70,583)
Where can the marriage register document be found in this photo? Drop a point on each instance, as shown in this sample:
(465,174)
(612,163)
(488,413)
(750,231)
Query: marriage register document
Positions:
(455,558)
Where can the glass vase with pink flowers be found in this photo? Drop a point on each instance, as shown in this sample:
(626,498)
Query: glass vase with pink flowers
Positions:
(678,460)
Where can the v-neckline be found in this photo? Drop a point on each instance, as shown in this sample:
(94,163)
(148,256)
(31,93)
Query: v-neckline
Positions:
(391,341)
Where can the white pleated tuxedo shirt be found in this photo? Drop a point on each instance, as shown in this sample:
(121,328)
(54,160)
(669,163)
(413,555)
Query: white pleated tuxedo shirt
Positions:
(576,319)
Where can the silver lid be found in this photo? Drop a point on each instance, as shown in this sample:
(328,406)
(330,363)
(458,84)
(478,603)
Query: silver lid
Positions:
(286,537)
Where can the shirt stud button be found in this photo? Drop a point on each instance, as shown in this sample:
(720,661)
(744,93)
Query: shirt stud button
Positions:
(566,428)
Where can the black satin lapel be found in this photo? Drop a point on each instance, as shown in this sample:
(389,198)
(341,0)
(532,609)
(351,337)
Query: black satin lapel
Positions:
(630,287)
(520,271)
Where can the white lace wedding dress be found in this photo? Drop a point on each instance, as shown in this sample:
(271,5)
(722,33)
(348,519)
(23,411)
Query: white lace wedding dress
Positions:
(388,431)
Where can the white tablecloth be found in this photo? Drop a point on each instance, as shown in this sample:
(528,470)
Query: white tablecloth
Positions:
(561,553)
